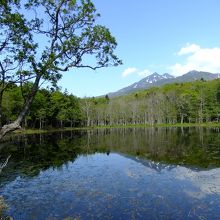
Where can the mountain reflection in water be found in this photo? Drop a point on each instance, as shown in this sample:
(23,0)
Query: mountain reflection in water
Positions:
(115,174)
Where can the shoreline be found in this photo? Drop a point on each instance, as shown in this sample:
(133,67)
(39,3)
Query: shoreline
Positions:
(177,125)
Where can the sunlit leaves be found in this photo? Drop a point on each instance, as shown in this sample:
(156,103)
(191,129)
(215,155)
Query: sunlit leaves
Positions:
(44,38)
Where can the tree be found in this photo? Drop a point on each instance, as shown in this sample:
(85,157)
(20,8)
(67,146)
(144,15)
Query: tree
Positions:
(4,3)
(74,114)
(40,108)
(65,37)
(87,106)
(15,40)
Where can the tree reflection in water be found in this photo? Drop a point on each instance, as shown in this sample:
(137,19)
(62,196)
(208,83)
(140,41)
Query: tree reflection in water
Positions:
(113,173)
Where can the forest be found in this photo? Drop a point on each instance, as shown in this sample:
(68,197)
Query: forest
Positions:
(192,102)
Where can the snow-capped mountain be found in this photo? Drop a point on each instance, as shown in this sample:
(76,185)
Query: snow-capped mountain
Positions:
(156,79)
(151,79)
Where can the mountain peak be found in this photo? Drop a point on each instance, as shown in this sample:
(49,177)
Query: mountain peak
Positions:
(167,76)
(151,78)
(193,72)
(155,73)
(196,72)
(156,79)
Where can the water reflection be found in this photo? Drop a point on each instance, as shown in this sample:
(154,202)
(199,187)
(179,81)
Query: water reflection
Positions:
(112,187)
(114,174)
(199,147)
(206,181)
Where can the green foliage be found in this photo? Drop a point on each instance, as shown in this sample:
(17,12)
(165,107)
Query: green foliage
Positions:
(12,104)
(190,102)
(72,35)
(39,40)
(48,109)
(195,102)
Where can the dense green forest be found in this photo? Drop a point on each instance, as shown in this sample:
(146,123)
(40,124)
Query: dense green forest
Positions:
(194,102)
(50,108)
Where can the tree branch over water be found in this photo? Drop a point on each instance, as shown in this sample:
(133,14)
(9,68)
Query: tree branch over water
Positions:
(43,46)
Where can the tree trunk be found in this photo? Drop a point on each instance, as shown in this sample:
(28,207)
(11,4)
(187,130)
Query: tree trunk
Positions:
(16,124)
(182,117)
(40,126)
(1,98)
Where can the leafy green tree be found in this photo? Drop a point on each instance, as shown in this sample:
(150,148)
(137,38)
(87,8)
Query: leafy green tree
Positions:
(40,108)
(12,104)
(65,37)
(15,40)
(74,112)
(179,102)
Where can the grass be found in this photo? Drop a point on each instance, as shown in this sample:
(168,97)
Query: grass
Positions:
(210,124)
(30,131)
(42,131)
(49,130)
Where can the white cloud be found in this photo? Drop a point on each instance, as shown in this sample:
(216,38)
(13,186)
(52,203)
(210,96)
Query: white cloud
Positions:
(129,71)
(144,73)
(201,59)
(189,48)
(133,70)
(179,69)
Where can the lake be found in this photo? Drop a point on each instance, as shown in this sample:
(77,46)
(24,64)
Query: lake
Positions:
(133,173)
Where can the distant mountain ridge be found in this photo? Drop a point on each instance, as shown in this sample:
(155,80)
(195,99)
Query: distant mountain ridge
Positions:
(156,79)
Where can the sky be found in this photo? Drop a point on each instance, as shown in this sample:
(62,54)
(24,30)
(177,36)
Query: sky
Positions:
(163,36)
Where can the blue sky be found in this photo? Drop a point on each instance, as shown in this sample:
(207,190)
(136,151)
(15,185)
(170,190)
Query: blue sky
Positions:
(153,36)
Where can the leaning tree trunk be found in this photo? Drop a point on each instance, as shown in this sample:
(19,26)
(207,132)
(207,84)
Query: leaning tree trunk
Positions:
(16,124)
(1,95)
